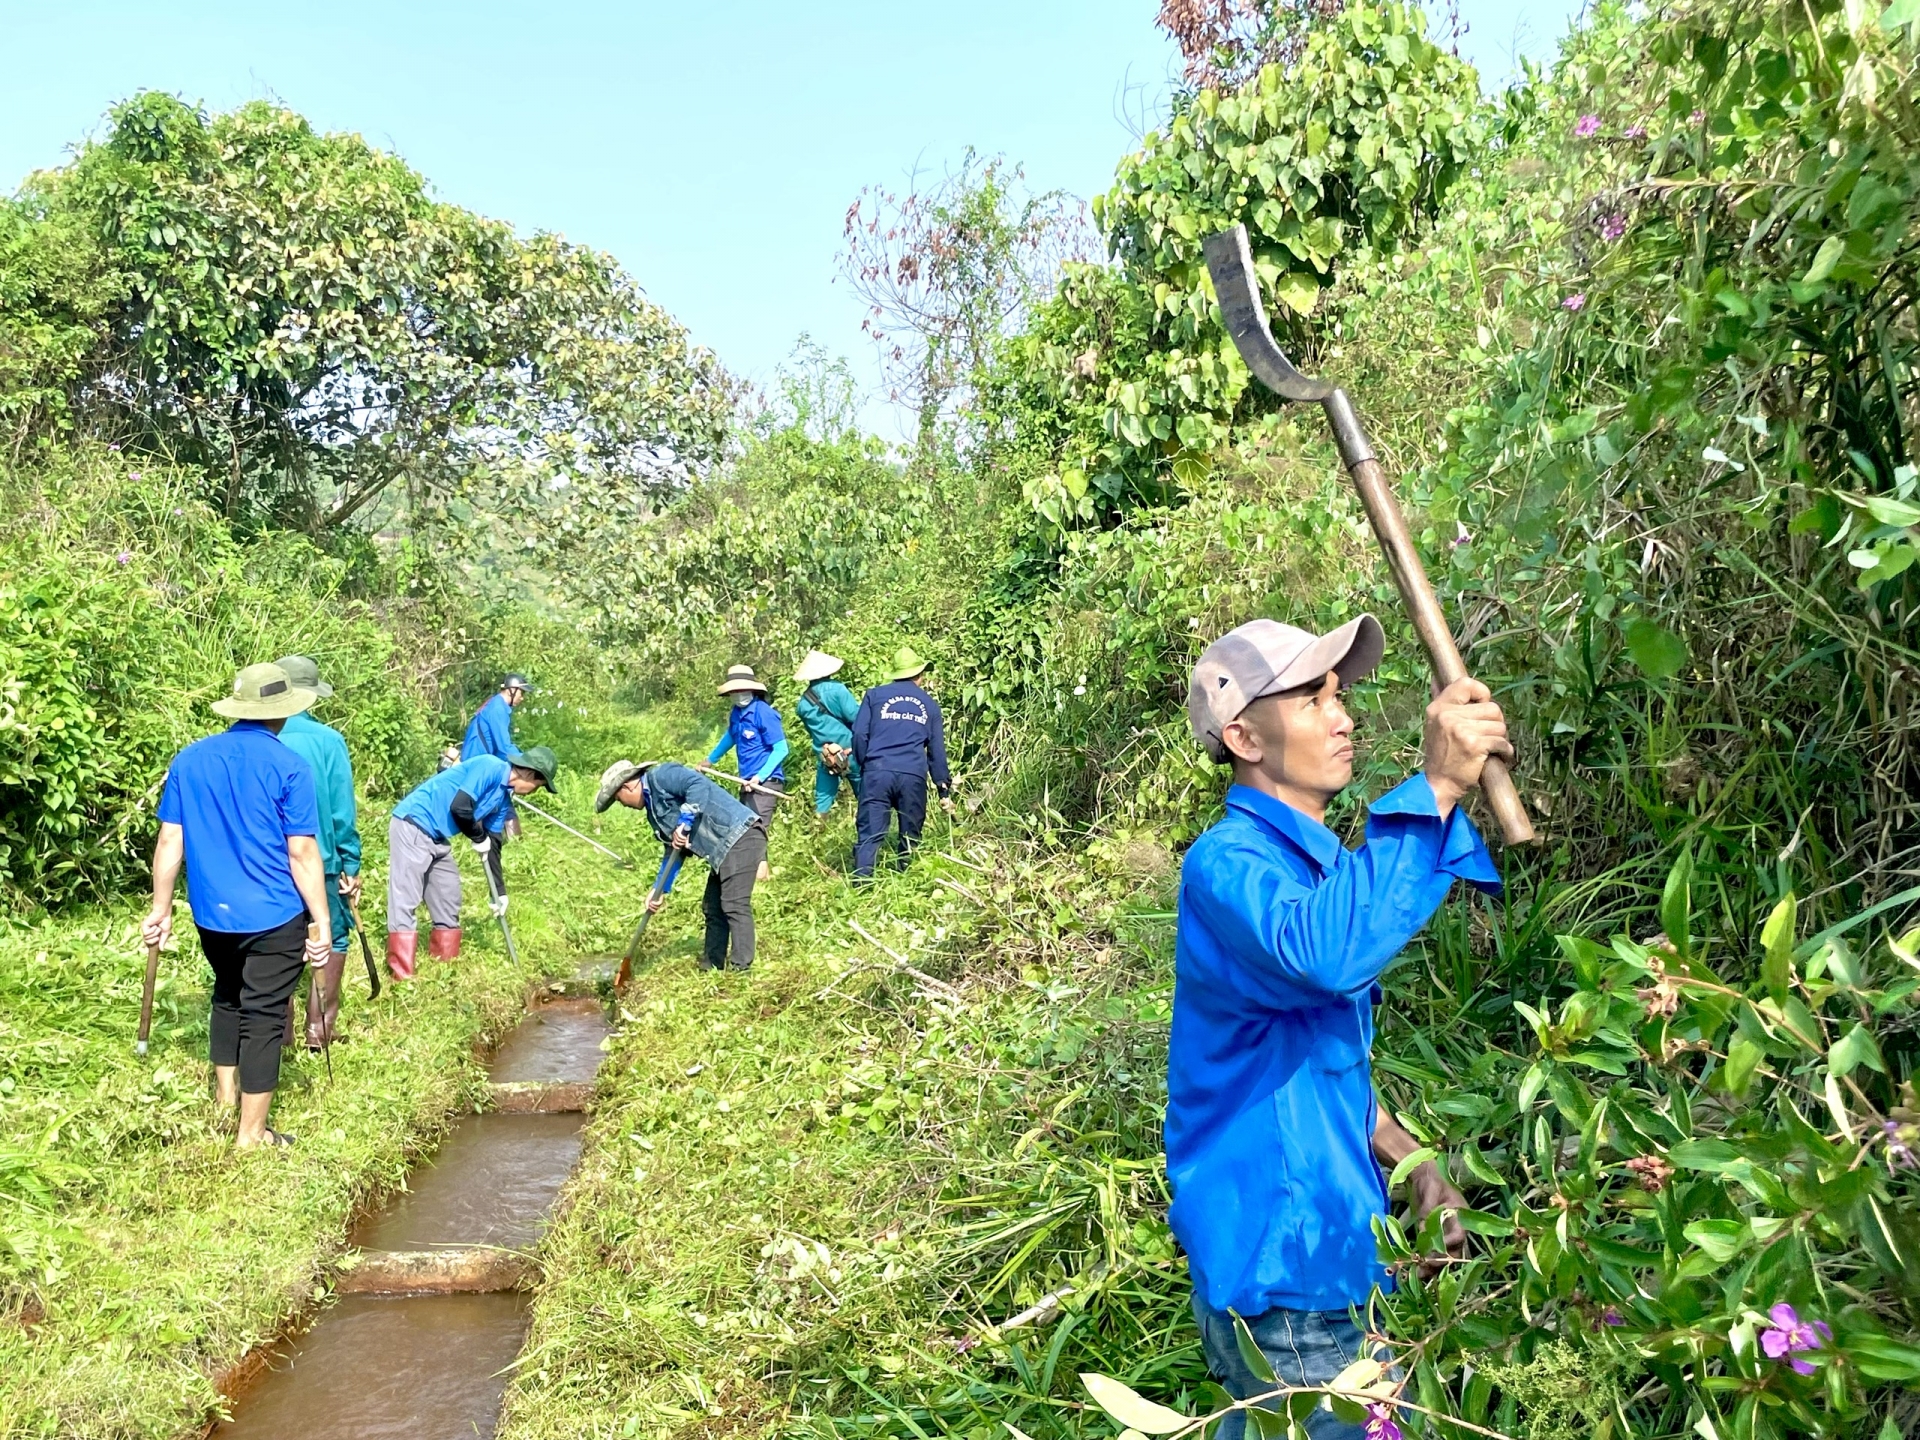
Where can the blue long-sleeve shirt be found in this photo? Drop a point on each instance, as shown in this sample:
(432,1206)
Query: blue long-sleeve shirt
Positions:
(827,708)
(1270,1106)
(434,804)
(325,752)
(490,732)
(899,729)
(755,733)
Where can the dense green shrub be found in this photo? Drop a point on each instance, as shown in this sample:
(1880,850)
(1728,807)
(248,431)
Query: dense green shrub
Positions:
(125,607)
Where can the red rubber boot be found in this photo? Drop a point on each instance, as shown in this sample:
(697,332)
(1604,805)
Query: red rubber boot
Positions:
(400,947)
(444,944)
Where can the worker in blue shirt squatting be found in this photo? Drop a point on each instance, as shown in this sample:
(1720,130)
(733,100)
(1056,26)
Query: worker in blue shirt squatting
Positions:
(827,709)
(759,742)
(468,799)
(1275,1139)
(238,809)
(898,736)
(490,732)
(325,751)
(727,835)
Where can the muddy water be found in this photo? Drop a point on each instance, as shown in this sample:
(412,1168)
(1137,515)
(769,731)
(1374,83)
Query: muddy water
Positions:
(491,1183)
(556,1042)
(424,1367)
(430,1366)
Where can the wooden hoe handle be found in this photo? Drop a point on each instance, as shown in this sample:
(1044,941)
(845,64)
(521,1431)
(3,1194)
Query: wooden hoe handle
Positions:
(1410,577)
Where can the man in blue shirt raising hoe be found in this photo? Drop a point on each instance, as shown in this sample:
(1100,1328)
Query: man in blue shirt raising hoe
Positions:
(1274,1136)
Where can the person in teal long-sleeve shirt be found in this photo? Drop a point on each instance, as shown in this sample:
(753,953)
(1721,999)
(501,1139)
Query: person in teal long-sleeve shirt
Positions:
(325,752)
(827,709)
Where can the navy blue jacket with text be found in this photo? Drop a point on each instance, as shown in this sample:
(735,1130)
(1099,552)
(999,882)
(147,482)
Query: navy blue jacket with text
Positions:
(899,730)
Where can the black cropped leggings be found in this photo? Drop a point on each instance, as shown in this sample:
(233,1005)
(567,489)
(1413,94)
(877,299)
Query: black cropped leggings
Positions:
(254,975)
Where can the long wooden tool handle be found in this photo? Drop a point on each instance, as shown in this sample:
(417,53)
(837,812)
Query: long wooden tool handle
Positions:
(1410,577)
(146,999)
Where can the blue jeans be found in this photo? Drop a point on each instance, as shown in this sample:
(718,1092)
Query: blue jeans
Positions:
(1305,1347)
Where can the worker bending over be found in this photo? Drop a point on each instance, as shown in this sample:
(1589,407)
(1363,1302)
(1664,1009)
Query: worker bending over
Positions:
(238,808)
(325,751)
(466,799)
(724,833)
(827,709)
(1275,1140)
(897,735)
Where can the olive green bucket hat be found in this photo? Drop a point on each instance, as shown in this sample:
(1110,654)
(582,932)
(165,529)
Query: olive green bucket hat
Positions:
(305,673)
(542,761)
(907,664)
(264,692)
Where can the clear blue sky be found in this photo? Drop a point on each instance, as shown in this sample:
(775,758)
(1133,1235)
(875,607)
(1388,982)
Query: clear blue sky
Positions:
(713,148)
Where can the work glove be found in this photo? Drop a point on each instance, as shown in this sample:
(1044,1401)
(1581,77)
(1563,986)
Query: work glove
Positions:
(482,846)
(498,907)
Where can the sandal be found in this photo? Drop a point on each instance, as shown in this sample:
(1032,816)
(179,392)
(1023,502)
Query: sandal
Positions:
(276,1137)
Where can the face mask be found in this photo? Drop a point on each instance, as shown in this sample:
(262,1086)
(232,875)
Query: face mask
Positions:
(741,700)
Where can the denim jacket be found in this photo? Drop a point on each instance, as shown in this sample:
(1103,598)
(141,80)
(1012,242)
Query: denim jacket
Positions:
(723,819)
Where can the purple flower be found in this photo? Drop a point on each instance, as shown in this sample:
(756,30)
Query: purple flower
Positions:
(1790,1335)
(124,556)
(1612,227)
(1612,1316)
(133,474)
(1899,1146)
(1588,127)
(1575,301)
(1635,132)
(1381,1425)
(1696,117)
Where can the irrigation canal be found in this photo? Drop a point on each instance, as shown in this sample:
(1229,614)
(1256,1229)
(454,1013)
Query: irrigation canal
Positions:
(434,1310)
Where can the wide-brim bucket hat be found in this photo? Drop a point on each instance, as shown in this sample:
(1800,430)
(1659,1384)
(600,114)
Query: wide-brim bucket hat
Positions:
(263,692)
(304,672)
(741,677)
(542,761)
(1264,657)
(612,780)
(907,664)
(818,666)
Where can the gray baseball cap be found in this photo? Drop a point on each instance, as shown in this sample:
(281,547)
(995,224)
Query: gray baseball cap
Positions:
(1264,657)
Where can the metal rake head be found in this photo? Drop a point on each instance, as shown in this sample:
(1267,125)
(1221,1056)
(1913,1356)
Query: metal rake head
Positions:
(1230,262)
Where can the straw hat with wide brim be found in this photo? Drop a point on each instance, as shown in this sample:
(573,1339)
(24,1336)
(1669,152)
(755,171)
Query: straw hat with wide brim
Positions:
(263,692)
(741,677)
(907,664)
(817,666)
(305,674)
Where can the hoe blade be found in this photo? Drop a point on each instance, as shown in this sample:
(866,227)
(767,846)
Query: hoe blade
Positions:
(1230,262)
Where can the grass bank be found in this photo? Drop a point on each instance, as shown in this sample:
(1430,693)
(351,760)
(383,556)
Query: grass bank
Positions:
(810,1191)
(142,1257)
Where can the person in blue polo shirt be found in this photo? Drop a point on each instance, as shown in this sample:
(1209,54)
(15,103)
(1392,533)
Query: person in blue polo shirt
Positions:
(465,799)
(759,742)
(1274,1136)
(238,808)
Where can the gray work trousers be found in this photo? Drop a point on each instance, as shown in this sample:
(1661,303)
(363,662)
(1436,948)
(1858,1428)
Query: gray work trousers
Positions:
(419,868)
(729,901)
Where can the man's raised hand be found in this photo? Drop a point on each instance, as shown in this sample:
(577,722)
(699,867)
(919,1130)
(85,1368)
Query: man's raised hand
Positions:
(1463,728)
